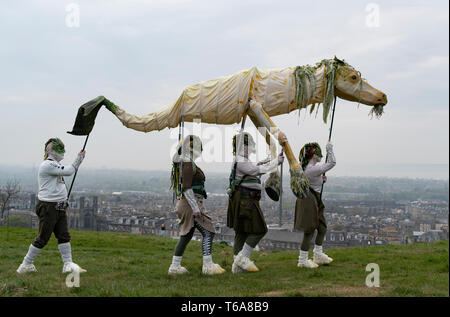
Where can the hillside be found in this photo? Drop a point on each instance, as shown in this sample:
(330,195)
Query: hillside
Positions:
(122,264)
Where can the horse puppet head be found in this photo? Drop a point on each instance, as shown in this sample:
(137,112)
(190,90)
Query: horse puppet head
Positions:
(339,79)
(330,78)
(349,85)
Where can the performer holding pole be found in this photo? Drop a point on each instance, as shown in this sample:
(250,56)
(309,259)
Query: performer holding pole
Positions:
(52,205)
(309,212)
(244,214)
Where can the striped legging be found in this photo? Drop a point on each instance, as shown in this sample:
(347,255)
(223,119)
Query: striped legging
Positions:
(207,242)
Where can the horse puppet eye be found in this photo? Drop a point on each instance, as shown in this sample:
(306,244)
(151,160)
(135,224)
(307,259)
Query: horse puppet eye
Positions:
(354,77)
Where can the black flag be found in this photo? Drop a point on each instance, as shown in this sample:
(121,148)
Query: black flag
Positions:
(86,116)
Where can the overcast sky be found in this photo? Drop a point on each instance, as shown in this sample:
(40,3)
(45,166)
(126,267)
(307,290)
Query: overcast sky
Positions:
(141,54)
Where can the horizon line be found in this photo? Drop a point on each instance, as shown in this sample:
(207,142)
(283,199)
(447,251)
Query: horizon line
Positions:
(24,167)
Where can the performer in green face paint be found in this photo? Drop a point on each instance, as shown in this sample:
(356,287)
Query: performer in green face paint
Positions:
(309,212)
(52,205)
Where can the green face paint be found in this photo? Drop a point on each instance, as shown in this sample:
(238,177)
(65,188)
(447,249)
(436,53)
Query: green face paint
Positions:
(58,146)
(318,151)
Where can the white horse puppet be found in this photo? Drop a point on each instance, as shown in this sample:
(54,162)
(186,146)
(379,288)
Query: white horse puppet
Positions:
(262,94)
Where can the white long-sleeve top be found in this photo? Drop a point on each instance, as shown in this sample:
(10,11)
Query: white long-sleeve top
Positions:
(314,172)
(52,187)
(246,167)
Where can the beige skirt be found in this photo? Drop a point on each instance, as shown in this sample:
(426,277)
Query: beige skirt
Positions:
(186,216)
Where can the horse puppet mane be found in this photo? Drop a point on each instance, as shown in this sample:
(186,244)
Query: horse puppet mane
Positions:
(305,84)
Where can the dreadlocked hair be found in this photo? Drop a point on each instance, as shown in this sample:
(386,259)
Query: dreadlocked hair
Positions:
(45,148)
(175,175)
(175,179)
(307,152)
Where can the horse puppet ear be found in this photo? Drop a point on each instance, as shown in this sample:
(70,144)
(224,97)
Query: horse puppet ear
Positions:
(338,60)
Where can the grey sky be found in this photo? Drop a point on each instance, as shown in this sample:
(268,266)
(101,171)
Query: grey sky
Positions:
(140,54)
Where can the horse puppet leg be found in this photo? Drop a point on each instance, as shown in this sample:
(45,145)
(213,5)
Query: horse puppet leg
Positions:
(299,182)
(272,184)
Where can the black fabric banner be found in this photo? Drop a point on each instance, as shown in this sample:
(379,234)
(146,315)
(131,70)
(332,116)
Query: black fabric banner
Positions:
(87,113)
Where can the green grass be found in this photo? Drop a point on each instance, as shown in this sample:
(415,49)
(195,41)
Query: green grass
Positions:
(121,264)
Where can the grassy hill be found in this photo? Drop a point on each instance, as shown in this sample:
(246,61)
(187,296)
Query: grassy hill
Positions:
(121,264)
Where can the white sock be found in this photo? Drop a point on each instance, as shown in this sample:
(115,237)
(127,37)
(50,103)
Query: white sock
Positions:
(207,259)
(247,250)
(33,252)
(317,249)
(66,252)
(176,260)
(303,256)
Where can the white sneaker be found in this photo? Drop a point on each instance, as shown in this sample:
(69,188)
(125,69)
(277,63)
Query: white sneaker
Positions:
(308,264)
(245,263)
(25,268)
(70,267)
(212,268)
(177,269)
(236,268)
(322,258)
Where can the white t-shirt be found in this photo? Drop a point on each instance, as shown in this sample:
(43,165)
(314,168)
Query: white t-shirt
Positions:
(52,187)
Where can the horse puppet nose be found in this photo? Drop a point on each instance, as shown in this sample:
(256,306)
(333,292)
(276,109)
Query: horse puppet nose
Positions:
(382,99)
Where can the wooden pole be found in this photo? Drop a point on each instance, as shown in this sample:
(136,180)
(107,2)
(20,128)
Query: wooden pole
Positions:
(329,139)
(73,180)
(281,191)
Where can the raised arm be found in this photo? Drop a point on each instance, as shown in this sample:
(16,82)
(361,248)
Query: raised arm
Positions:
(55,169)
(320,169)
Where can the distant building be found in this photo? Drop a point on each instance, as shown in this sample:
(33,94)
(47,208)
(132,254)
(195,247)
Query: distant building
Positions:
(433,236)
(85,216)
(335,239)
(32,201)
(425,227)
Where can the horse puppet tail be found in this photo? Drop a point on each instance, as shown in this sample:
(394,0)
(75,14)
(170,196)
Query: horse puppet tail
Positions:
(166,118)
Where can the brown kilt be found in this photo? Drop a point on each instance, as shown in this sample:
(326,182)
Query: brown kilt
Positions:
(186,216)
(244,213)
(309,212)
